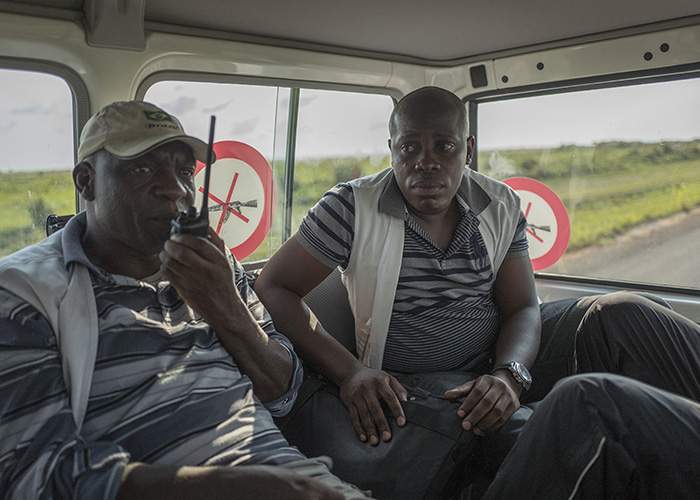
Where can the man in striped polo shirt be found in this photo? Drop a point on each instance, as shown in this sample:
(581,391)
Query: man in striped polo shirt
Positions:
(187,369)
(434,258)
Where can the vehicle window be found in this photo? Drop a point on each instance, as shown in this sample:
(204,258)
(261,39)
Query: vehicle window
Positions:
(624,161)
(252,119)
(340,136)
(36,141)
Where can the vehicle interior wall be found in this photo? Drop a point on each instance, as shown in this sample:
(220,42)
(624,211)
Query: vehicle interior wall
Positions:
(111,74)
(57,43)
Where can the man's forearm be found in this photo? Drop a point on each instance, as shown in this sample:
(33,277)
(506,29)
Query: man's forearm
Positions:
(267,363)
(519,338)
(155,482)
(246,482)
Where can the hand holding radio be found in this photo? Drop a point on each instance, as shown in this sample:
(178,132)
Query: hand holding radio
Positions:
(200,272)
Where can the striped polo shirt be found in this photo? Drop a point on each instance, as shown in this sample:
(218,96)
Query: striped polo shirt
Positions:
(164,391)
(444,313)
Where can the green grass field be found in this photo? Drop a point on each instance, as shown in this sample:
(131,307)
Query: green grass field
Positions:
(25,201)
(604,206)
(607,188)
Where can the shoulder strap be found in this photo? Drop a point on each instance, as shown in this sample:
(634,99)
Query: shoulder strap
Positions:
(65,298)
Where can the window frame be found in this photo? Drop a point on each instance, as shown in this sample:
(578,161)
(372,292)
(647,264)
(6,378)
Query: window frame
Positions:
(79,94)
(626,79)
(295,87)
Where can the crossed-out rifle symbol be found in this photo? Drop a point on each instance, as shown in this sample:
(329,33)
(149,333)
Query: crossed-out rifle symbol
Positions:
(228,207)
(532,228)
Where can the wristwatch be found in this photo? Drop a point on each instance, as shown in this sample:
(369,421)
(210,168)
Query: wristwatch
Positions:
(519,373)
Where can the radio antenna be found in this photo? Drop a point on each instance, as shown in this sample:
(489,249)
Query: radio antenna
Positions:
(204,213)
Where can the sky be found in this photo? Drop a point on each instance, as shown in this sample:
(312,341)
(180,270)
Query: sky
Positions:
(330,123)
(36,123)
(648,113)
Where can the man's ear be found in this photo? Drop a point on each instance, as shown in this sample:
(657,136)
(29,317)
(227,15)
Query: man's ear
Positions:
(388,141)
(84,180)
(471,148)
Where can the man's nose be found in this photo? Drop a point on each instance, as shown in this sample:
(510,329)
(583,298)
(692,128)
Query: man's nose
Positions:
(170,186)
(426,160)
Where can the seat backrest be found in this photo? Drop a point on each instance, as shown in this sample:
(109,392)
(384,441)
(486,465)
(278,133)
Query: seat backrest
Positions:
(329,302)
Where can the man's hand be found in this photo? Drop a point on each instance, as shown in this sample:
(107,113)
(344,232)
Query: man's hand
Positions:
(363,393)
(248,482)
(200,272)
(489,401)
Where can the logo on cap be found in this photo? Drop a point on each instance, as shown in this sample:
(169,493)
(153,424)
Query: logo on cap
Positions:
(158,116)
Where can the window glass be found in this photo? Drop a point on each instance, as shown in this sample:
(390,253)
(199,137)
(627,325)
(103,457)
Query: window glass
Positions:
(340,136)
(255,118)
(36,141)
(624,161)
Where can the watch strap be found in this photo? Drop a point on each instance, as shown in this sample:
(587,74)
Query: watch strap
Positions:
(512,368)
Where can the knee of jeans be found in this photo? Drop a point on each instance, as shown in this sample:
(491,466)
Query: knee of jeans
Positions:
(612,308)
(571,390)
(600,313)
(616,302)
(619,305)
(596,389)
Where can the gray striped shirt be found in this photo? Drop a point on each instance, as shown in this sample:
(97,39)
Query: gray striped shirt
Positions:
(165,391)
(444,314)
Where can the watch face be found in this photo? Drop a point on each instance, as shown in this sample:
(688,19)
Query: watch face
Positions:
(522,372)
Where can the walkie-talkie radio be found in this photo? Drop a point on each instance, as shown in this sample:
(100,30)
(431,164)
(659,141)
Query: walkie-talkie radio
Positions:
(190,222)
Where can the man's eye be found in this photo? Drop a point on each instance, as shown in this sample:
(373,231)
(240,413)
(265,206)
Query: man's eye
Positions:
(141,170)
(188,172)
(408,148)
(447,147)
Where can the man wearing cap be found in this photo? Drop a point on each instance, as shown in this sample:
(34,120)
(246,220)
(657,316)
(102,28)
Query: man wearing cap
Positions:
(135,364)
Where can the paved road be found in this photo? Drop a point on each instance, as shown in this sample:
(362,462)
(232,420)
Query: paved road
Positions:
(662,252)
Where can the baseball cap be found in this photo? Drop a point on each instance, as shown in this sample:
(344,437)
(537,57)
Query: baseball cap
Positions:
(128,129)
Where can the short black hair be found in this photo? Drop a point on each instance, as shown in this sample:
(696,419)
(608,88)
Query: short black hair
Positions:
(439,98)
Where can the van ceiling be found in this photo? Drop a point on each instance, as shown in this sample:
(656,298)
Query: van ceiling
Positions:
(424,31)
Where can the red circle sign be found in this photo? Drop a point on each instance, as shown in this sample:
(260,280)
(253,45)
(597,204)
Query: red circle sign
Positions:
(548,229)
(240,196)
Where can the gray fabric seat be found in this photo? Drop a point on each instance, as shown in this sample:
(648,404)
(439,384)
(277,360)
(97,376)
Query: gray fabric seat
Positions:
(329,302)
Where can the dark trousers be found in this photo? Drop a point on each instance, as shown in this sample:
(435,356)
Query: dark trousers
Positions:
(619,333)
(599,437)
(622,333)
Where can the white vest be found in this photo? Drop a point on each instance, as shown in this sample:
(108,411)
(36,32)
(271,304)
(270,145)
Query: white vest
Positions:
(64,296)
(373,271)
